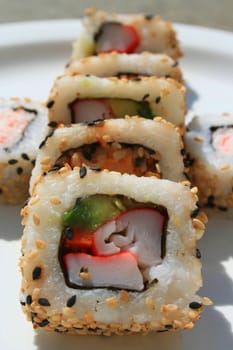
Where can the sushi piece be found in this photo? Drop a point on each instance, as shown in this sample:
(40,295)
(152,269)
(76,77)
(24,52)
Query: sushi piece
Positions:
(127,66)
(79,98)
(107,253)
(23,124)
(125,33)
(132,145)
(209,145)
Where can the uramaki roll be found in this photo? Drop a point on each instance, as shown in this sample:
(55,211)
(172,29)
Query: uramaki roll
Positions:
(125,33)
(23,125)
(110,253)
(209,145)
(131,145)
(78,98)
(129,66)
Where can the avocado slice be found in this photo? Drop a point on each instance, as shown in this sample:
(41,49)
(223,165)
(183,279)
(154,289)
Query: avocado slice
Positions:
(122,107)
(91,211)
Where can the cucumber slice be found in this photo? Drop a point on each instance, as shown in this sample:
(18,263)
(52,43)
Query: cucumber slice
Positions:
(90,212)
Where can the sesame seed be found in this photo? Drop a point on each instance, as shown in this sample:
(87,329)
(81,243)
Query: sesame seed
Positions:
(25,156)
(28,299)
(43,323)
(198,253)
(36,273)
(50,104)
(19,170)
(36,220)
(40,244)
(158,99)
(195,305)
(82,172)
(52,124)
(55,200)
(113,301)
(22,303)
(12,161)
(71,301)
(43,302)
(195,213)
(145,97)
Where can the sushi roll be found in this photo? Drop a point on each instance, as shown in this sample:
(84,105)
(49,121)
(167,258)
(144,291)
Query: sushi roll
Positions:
(132,145)
(125,33)
(129,66)
(79,98)
(107,253)
(209,146)
(23,124)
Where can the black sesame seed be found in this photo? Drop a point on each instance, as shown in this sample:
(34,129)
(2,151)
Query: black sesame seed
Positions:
(69,233)
(43,302)
(28,299)
(36,273)
(158,99)
(182,151)
(43,323)
(210,202)
(82,172)
(33,162)
(71,301)
(198,254)
(12,161)
(195,305)
(149,17)
(52,124)
(55,168)
(19,170)
(25,156)
(22,303)
(33,315)
(50,104)
(168,326)
(195,212)
(145,97)
(188,162)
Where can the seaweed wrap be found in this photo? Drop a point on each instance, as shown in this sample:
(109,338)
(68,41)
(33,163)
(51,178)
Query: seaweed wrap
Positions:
(132,145)
(110,253)
(209,146)
(129,66)
(79,98)
(125,33)
(23,125)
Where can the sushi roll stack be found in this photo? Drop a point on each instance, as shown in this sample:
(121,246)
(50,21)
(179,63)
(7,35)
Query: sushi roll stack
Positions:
(23,125)
(209,145)
(112,225)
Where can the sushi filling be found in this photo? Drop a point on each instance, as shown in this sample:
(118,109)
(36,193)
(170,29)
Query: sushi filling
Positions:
(120,157)
(114,36)
(111,241)
(222,139)
(13,125)
(91,109)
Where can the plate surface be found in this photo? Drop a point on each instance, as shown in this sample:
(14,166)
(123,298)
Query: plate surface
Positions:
(31,55)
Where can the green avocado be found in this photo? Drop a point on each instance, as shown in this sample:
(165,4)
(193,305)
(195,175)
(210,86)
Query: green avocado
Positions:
(91,211)
(122,107)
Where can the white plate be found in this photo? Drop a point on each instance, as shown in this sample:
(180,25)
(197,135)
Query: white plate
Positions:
(31,55)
